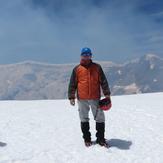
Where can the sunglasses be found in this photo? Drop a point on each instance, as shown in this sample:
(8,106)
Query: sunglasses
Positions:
(86,54)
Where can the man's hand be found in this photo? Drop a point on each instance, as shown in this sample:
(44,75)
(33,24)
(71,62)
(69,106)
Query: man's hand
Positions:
(72,102)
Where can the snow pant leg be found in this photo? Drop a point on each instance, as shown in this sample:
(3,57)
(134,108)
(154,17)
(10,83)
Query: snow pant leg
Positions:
(83,108)
(98,114)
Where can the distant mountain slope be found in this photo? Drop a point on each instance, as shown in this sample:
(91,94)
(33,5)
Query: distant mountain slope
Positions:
(138,76)
(33,80)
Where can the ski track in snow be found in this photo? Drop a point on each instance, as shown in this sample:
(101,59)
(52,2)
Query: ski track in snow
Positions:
(48,131)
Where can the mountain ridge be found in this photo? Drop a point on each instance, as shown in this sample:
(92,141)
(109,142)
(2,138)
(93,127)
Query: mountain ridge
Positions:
(29,80)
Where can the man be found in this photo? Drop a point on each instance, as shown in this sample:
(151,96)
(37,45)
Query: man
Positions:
(86,78)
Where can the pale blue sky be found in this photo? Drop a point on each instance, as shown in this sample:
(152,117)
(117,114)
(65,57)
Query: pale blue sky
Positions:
(54,31)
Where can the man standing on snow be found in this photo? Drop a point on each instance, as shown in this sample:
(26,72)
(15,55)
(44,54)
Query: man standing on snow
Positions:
(86,78)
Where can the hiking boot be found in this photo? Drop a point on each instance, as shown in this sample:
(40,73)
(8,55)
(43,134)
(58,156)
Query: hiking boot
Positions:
(85,130)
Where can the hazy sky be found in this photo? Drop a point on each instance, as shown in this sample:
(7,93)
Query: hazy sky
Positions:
(54,31)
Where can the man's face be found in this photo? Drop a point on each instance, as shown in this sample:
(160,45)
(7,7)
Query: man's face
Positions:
(86,57)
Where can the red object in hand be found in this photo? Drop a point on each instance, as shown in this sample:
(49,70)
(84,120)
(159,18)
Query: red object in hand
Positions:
(105,104)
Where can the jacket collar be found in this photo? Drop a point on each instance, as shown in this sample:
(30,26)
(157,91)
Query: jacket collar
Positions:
(86,63)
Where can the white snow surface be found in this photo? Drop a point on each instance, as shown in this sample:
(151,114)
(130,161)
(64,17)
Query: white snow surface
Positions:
(48,131)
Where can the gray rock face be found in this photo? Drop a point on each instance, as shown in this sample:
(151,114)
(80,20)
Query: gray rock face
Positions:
(33,80)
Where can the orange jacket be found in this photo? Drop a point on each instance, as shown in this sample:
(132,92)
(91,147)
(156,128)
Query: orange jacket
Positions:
(87,82)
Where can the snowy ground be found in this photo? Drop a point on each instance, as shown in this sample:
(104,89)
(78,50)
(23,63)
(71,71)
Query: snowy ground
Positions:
(49,132)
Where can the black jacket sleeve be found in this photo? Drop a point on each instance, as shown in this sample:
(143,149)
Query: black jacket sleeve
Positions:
(72,85)
(104,83)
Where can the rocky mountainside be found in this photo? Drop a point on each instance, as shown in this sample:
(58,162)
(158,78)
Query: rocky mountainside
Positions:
(31,80)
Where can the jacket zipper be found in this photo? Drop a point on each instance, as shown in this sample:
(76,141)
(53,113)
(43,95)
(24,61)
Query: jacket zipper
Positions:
(89,74)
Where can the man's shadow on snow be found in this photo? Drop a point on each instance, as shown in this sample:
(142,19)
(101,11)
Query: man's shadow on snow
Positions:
(2,144)
(119,143)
